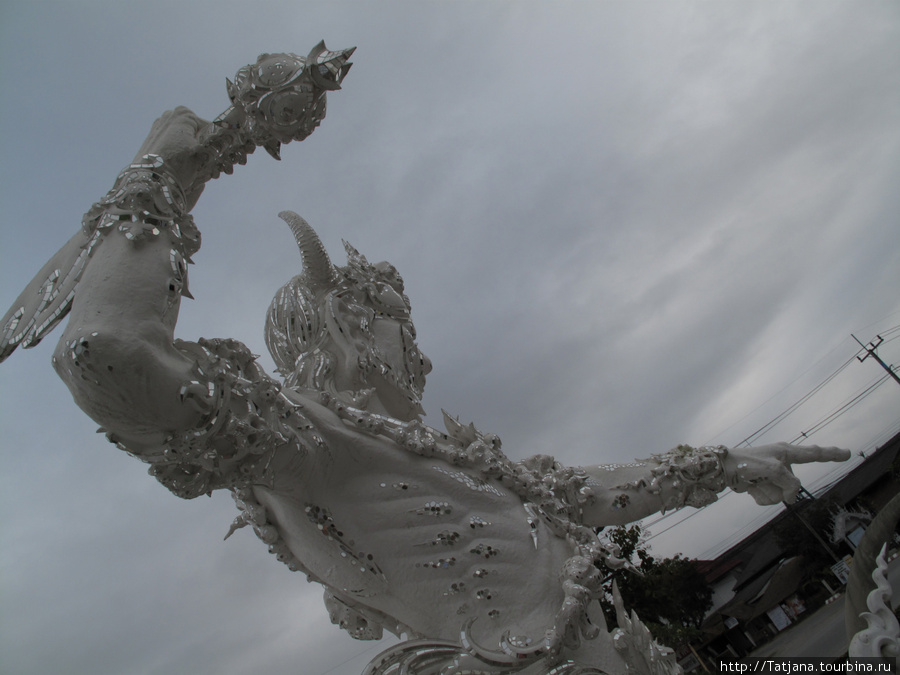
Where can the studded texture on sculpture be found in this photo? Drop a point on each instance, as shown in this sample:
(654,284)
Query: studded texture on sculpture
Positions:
(486,564)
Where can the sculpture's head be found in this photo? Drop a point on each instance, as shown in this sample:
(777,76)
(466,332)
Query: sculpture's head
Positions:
(347,330)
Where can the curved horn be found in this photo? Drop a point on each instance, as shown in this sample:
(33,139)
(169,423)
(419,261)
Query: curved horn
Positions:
(316,262)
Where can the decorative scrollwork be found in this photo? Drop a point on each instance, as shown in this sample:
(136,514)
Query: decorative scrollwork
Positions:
(684,476)
(145,201)
(881,637)
(248,419)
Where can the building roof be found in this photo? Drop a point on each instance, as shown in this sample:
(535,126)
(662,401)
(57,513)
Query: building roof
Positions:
(713,570)
(767,590)
(876,466)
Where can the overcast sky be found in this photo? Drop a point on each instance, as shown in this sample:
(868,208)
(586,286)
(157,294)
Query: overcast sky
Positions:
(622,226)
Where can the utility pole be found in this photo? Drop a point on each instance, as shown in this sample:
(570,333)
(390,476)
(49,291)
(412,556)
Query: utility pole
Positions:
(805,496)
(870,351)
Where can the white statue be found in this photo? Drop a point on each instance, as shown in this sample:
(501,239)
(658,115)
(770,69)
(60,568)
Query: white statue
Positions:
(881,637)
(485,564)
(872,628)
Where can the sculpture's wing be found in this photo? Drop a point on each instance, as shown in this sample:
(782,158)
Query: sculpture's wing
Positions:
(48,298)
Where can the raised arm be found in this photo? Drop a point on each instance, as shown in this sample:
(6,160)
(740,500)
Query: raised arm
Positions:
(685,476)
(122,277)
(117,354)
(278,99)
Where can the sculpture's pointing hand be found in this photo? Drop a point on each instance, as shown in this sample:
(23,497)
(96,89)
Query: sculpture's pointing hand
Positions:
(765,471)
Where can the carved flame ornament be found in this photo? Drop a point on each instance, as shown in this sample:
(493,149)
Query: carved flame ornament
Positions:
(881,637)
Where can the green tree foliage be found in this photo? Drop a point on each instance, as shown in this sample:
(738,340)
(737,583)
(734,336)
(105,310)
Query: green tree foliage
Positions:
(669,594)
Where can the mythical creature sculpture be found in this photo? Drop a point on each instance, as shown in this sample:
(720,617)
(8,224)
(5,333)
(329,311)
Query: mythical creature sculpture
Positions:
(487,565)
(872,627)
(881,637)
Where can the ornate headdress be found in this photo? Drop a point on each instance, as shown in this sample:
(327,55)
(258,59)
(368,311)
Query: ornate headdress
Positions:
(325,302)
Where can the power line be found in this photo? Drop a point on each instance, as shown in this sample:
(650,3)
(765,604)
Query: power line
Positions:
(890,330)
(888,433)
(840,411)
(803,399)
(821,485)
(787,386)
(870,351)
(786,413)
(875,323)
(804,435)
(817,427)
(688,517)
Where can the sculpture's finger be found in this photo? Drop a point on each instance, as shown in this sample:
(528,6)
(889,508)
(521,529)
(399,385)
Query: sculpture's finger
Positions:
(765,494)
(797,454)
(788,484)
(188,118)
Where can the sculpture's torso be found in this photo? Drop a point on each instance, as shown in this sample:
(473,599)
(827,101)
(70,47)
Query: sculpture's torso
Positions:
(427,543)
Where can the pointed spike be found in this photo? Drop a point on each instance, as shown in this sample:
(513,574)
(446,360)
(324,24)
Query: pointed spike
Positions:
(313,57)
(237,524)
(274,149)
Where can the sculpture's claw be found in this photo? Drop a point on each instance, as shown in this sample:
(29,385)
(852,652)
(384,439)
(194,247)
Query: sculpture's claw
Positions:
(236,524)
(329,68)
(273,147)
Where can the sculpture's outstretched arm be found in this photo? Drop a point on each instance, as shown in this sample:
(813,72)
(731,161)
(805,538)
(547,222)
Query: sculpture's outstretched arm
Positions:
(694,477)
